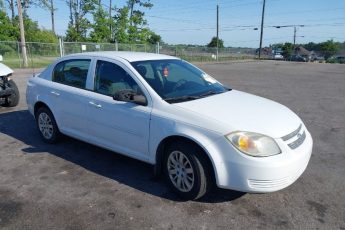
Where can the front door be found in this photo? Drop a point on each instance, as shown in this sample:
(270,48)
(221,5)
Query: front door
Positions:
(123,127)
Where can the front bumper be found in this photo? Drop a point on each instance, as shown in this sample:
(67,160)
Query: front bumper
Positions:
(240,172)
(6,92)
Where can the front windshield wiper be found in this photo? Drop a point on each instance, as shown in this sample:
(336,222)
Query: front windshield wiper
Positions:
(181,99)
(209,93)
(212,92)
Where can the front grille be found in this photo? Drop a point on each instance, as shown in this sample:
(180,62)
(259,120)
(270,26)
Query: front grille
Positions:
(291,135)
(265,184)
(296,138)
(298,142)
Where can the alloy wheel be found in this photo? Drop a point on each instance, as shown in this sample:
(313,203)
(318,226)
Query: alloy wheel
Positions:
(180,171)
(45,125)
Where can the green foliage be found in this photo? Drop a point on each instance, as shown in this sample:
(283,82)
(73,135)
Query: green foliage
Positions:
(34,34)
(287,49)
(132,3)
(213,43)
(121,25)
(154,38)
(312,46)
(131,26)
(135,31)
(128,25)
(101,26)
(328,48)
(79,24)
(9,32)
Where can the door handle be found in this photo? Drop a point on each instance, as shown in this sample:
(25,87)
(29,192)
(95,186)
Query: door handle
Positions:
(55,93)
(95,104)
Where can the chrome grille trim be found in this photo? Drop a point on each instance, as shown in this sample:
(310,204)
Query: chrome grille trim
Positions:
(265,184)
(291,135)
(298,142)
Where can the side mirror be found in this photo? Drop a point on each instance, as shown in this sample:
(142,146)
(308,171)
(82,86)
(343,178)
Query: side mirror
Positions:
(129,95)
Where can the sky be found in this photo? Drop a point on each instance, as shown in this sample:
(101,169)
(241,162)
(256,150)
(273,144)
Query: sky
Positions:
(194,21)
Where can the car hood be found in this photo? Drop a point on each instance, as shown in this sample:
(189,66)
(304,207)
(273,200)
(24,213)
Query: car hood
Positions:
(240,111)
(5,70)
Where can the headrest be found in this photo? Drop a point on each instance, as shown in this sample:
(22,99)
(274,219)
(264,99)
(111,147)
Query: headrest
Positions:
(142,70)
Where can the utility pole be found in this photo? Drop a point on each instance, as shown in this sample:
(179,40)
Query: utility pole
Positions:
(22,34)
(52,15)
(217,31)
(294,39)
(12,11)
(110,22)
(262,27)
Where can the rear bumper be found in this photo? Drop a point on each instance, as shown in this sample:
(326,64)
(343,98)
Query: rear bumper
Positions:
(266,174)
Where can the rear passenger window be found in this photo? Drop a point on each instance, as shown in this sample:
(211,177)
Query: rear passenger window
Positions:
(72,73)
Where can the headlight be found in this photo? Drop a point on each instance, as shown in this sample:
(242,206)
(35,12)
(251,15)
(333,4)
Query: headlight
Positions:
(254,144)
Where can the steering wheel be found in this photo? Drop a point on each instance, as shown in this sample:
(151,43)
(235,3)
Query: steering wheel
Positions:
(179,84)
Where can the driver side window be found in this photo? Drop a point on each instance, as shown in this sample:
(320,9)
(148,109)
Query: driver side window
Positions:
(111,78)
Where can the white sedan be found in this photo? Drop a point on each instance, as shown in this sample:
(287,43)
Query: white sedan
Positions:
(168,113)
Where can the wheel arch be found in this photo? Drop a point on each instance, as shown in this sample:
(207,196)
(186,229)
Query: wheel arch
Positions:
(38,105)
(158,167)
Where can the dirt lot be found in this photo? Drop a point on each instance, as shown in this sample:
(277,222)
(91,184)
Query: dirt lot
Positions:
(73,185)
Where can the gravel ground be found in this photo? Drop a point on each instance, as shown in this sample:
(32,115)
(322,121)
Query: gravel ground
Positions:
(73,185)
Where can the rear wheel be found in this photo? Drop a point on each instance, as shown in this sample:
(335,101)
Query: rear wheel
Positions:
(13,99)
(47,125)
(187,171)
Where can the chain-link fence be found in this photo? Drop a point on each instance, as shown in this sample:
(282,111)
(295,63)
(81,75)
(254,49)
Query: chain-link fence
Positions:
(42,54)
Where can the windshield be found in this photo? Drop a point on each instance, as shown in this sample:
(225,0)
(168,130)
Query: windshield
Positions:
(177,80)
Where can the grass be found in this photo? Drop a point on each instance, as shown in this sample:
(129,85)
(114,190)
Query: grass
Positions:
(34,62)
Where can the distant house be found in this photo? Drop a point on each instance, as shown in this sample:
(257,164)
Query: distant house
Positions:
(301,51)
(267,51)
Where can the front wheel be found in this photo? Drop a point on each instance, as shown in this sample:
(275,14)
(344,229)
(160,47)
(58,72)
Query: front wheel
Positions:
(13,99)
(187,171)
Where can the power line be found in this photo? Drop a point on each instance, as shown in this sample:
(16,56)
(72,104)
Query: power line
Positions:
(176,19)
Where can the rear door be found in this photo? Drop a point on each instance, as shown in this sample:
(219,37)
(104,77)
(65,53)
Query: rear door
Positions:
(69,94)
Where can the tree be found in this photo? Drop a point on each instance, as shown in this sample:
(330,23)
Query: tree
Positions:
(213,43)
(328,48)
(131,26)
(101,30)
(154,38)
(11,5)
(137,31)
(48,5)
(121,25)
(287,49)
(9,32)
(131,4)
(34,34)
(79,24)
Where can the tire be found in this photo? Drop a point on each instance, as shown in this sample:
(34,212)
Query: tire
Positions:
(187,171)
(13,99)
(47,126)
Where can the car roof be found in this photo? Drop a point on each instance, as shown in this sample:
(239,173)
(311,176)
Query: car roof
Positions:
(129,56)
